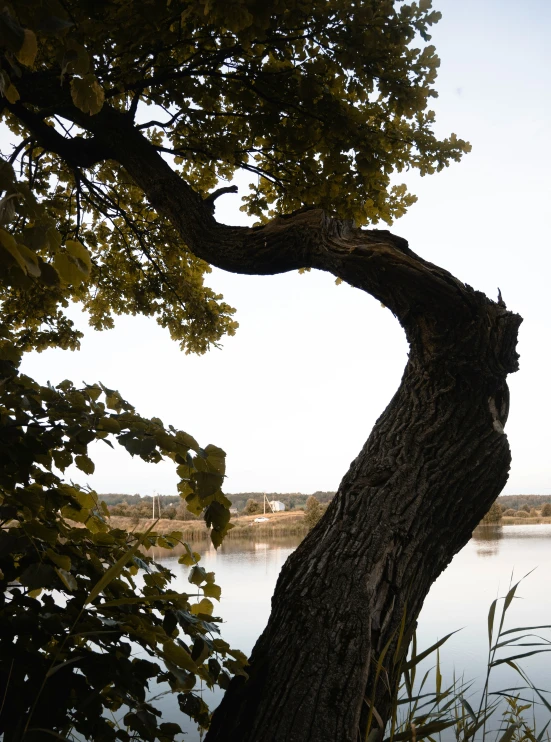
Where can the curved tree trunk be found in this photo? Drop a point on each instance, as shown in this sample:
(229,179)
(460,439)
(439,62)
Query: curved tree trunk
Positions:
(435,461)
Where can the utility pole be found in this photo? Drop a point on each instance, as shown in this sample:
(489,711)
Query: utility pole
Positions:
(267,501)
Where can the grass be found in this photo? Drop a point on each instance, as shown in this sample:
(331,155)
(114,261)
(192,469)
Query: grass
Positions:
(278,524)
(507,715)
(510,520)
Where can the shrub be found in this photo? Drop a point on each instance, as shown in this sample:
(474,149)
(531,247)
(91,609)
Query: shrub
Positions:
(534,513)
(546,510)
(493,515)
(526,508)
(252,508)
(522,514)
(312,512)
(510,512)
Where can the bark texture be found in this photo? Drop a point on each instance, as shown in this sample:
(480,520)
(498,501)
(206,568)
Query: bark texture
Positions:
(433,464)
(435,461)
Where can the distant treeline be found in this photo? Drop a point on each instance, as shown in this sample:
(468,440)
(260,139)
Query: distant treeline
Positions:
(517,501)
(296,500)
(140,499)
(291,500)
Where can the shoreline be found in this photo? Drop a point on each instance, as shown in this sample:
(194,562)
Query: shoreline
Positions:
(290,523)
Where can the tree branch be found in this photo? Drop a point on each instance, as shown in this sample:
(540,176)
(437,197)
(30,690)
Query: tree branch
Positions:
(375,261)
(211,198)
(77,152)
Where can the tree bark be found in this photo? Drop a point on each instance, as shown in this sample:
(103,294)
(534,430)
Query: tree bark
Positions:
(435,461)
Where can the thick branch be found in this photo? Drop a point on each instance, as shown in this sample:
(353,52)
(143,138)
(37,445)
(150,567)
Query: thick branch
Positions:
(375,261)
(77,152)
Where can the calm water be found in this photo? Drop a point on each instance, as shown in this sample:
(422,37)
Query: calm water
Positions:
(459,599)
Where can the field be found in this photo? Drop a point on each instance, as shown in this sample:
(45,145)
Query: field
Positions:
(286,523)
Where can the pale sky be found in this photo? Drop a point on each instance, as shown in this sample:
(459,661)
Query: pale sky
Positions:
(293,396)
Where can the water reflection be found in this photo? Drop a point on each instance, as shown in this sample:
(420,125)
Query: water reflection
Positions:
(247,571)
(231,546)
(486,540)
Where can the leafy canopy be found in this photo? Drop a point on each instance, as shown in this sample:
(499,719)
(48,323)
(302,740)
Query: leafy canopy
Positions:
(321,101)
(69,664)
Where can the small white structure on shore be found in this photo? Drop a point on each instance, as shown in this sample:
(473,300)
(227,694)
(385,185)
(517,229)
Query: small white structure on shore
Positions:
(277,506)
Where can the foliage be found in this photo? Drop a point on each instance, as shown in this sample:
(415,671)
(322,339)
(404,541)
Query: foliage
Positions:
(509,512)
(322,102)
(526,508)
(291,500)
(252,507)
(516,501)
(131,500)
(76,596)
(522,514)
(422,713)
(493,515)
(312,512)
(546,510)
(291,93)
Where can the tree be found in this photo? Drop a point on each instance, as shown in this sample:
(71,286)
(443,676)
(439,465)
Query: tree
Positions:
(546,510)
(322,102)
(312,512)
(252,507)
(493,515)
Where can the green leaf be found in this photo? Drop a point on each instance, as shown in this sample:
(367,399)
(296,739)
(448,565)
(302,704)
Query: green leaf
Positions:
(204,606)
(26,54)
(80,255)
(491,616)
(419,657)
(60,560)
(62,459)
(110,425)
(177,655)
(190,557)
(88,500)
(115,570)
(93,391)
(85,464)
(212,591)
(197,575)
(71,513)
(9,252)
(40,530)
(30,261)
(216,458)
(38,575)
(70,269)
(87,94)
(67,579)
(206,483)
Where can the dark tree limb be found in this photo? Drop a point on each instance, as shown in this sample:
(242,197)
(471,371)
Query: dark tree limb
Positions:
(211,198)
(76,151)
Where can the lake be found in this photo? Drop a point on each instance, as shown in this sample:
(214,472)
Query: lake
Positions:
(247,571)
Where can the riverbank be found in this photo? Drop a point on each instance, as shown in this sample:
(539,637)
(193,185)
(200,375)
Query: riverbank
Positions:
(287,523)
(511,521)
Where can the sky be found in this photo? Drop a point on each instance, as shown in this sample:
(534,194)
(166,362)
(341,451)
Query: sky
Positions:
(293,396)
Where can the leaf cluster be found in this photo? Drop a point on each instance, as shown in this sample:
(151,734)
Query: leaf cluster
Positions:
(322,102)
(79,598)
